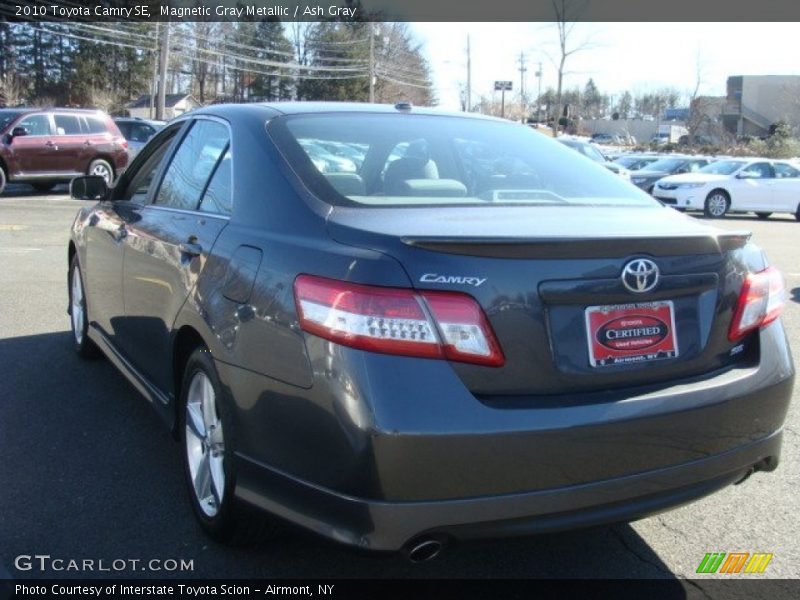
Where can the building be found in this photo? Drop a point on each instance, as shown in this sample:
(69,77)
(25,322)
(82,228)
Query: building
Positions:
(755,103)
(174,105)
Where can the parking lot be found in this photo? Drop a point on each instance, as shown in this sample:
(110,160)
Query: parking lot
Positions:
(88,471)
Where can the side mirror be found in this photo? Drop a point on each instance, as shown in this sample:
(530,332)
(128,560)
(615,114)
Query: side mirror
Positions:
(18,131)
(89,187)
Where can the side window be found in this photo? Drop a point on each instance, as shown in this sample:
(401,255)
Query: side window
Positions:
(696,165)
(782,170)
(217,198)
(758,171)
(192,164)
(36,124)
(140,132)
(125,129)
(67,125)
(141,180)
(96,125)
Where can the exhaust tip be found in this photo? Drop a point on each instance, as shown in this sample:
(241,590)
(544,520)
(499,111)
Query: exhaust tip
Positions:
(424,550)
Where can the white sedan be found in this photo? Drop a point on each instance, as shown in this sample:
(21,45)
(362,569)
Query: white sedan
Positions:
(758,185)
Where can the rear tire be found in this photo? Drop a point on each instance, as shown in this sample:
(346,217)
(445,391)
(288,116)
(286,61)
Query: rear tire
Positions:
(79,317)
(208,441)
(717,204)
(763,215)
(797,213)
(44,186)
(102,169)
(2,179)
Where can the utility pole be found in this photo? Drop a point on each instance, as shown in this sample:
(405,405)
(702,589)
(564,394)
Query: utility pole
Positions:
(469,77)
(153,84)
(163,58)
(539,95)
(522,69)
(371,62)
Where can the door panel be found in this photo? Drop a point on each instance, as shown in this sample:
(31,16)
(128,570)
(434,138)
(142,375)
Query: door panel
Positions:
(755,191)
(102,268)
(167,248)
(159,273)
(70,141)
(36,152)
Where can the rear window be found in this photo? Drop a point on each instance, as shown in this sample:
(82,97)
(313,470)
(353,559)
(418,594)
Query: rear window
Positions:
(405,160)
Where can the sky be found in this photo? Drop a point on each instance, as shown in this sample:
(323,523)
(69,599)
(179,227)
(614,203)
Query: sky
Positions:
(637,57)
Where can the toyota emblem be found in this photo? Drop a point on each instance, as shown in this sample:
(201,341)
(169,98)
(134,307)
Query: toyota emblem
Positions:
(640,275)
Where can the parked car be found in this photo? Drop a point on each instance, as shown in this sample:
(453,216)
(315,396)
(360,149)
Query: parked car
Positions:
(137,131)
(646,177)
(495,338)
(634,162)
(605,138)
(760,185)
(46,147)
(592,153)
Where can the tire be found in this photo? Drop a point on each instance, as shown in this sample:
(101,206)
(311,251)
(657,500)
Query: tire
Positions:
(2,179)
(207,438)
(763,215)
(44,186)
(717,204)
(79,319)
(797,213)
(101,167)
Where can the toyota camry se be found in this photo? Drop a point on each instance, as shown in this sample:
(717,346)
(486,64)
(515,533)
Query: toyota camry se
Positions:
(398,327)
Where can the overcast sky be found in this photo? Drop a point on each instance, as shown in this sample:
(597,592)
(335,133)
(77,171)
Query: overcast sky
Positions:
(637,57)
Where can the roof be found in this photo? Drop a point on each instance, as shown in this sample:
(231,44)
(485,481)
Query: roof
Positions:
(170,100)
(31,109)
(295,108)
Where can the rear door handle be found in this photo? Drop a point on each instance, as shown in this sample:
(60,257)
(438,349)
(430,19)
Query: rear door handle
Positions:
(191,249)
(51,144)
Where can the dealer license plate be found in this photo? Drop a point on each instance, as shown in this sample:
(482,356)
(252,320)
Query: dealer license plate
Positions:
(631,333)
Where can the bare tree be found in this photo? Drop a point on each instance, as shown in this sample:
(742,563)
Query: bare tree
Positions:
(567,12)
(12,92)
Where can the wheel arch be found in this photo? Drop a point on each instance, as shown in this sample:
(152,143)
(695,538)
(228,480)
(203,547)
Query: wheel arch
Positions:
(186,340)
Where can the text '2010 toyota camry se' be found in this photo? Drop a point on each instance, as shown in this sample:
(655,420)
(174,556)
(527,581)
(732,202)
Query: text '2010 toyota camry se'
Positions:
(397,327)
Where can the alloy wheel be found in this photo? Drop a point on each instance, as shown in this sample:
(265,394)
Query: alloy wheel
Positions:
(101,170)
(717,205)
(205,444)
(77,313)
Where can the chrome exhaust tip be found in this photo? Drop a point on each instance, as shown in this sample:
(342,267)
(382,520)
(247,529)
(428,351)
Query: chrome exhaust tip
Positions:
(424,549)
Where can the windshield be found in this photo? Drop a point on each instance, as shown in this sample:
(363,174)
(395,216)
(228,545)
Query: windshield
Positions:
(7,116)
(402,159)
(722,167)
(666,164)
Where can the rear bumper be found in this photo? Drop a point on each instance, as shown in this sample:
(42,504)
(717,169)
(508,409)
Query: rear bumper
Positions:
(383,449)
(390,526)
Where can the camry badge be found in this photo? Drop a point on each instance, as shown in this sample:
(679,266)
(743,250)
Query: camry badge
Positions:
(640,275)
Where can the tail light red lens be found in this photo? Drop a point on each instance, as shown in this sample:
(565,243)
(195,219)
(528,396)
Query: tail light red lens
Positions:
(397,321)
(760,302)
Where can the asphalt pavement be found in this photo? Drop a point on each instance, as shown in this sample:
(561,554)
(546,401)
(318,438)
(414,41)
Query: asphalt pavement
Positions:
(88,472)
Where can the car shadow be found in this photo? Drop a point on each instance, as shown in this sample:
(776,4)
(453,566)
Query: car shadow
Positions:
(23,190)
(96,474)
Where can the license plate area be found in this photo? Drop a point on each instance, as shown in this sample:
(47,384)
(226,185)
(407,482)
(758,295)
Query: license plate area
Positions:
(623,334)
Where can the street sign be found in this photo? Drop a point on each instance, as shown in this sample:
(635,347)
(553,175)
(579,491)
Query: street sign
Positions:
(504,86)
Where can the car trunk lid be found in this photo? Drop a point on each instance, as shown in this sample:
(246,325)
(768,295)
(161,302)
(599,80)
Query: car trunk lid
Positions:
(536,270)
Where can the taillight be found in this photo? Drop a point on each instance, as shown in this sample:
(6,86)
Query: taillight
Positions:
(397,321)
(760,302)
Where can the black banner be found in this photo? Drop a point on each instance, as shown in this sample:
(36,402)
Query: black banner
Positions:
(397,10)
(375,589)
